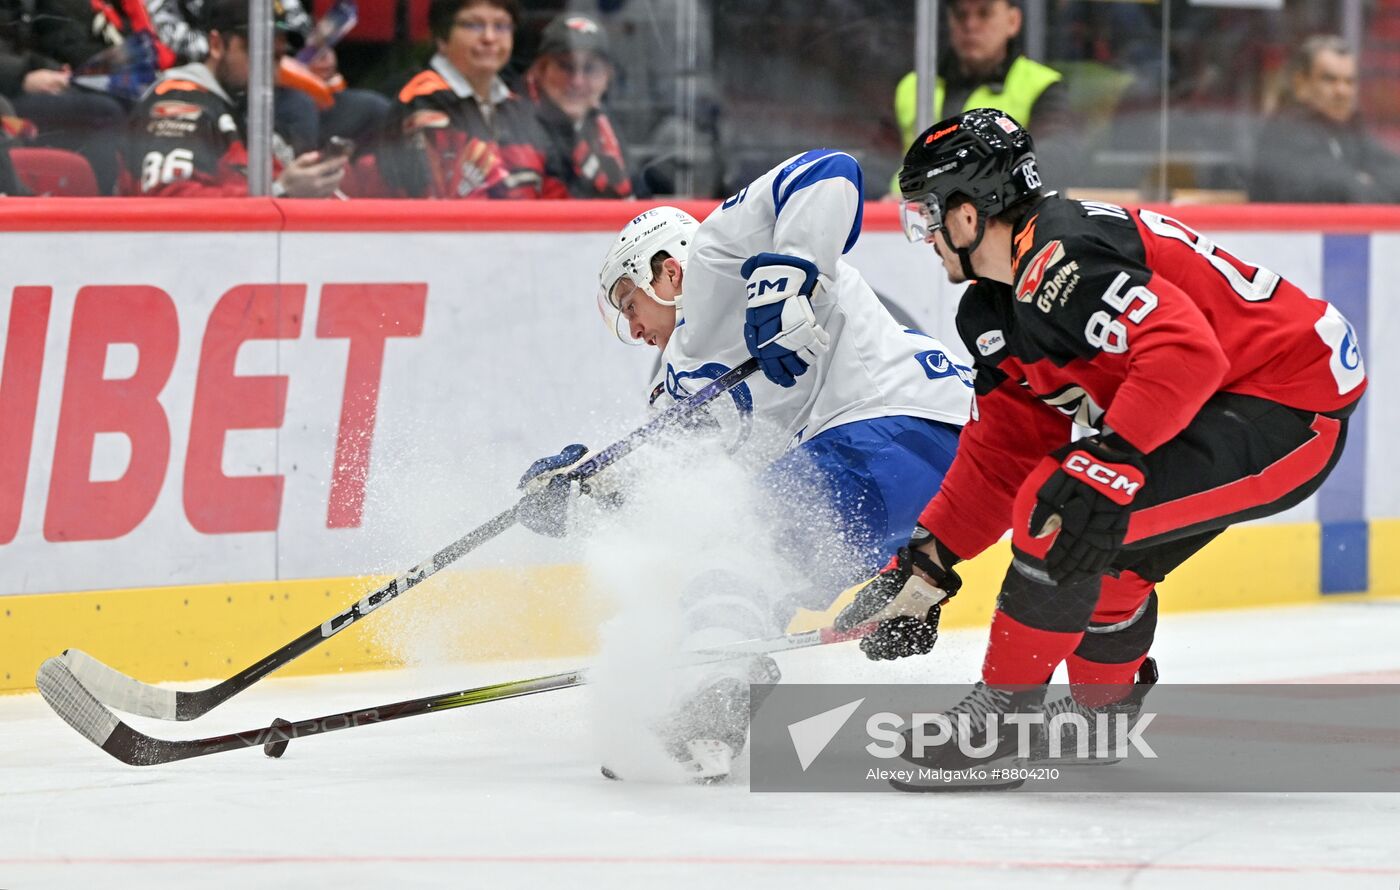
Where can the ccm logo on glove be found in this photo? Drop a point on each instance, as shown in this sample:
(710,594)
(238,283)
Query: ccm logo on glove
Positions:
(780,328)
(758,288)
(1117,482)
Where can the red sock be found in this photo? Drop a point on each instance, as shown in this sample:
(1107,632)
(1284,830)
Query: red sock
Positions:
(1020,655)
(1095,684)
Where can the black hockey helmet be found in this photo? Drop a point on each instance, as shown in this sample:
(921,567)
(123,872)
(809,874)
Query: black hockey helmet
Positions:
(983,155)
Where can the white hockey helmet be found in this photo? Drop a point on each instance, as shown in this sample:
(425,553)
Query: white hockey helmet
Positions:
(628,264)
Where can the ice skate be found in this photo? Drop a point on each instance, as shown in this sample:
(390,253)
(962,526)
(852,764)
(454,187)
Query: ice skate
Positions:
(1104,726)
(988,758)
(710,728)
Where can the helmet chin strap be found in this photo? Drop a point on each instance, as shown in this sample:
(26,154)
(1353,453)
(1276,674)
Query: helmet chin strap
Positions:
(965,253)
(669,304)
(656,298)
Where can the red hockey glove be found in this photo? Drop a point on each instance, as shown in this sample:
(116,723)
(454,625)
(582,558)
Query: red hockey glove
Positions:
(1088,501)
(907,606)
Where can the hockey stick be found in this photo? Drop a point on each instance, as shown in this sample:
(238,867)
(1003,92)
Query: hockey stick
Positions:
(82,711)
(117,690)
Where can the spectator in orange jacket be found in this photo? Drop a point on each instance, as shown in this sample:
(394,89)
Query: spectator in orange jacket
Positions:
(460,132)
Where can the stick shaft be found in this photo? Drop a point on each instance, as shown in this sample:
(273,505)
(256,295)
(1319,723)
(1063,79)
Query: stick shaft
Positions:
(81,710)
(118,690)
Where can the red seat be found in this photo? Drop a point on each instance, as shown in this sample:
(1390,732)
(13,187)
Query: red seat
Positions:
(376,21)
(418,19)
(53,171)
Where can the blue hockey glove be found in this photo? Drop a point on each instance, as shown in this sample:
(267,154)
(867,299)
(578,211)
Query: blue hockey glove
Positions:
(780,328)
(549,492)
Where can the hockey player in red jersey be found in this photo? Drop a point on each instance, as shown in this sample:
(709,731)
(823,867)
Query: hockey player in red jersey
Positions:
(1211,391)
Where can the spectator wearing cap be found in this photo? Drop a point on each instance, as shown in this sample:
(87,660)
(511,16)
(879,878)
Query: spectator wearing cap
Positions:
(1315,149)
(189,132)
(459,131)
(567,81)
(985,68)
(354,113)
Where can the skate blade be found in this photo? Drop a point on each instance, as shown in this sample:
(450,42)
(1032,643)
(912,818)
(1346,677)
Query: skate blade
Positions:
(1076,761)
(698,780)
(990,776)
(946,787)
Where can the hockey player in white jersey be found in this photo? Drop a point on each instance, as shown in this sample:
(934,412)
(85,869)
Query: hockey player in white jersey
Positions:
(871,410)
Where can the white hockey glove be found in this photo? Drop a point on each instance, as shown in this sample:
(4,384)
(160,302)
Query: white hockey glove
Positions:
(780,328)
(549,492)
(907,606)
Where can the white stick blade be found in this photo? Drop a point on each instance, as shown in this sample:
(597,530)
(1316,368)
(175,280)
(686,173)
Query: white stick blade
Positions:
(73,703)
(116,690)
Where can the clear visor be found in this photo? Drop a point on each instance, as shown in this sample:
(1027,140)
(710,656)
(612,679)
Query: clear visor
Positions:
(615,302)
(921,217)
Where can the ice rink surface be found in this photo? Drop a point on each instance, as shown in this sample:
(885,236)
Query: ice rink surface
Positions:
(508,794)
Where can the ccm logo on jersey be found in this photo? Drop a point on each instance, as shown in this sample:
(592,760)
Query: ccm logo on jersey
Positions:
(1119,482)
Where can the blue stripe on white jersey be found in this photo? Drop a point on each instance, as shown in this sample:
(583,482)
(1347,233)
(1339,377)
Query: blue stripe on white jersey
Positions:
(815,166)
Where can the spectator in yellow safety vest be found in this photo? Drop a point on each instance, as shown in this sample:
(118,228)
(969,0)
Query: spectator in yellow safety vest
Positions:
(985,68)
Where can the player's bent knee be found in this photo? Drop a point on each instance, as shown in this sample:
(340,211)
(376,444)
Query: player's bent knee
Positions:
(1122,641)
(1042,604)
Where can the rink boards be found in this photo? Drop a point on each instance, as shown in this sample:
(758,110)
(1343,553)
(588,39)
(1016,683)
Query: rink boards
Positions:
(221,422)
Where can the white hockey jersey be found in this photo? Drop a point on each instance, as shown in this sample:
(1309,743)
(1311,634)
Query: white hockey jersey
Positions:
(811,207)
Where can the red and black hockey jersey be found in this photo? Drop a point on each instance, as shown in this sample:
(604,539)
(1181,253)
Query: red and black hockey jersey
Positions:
(187,139)
(1125,321)
(447,147)
(596,165)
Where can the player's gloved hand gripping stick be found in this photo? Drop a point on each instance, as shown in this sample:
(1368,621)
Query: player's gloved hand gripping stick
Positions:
(1082,510)
(117,690)
(904,607)
(549,486)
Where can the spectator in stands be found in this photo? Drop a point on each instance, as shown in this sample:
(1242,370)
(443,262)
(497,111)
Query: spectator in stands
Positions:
(460,131)
(42,43)
(188,134)
(985,68)
(671,116)
(566,82)
(355,114)
(1316,148)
